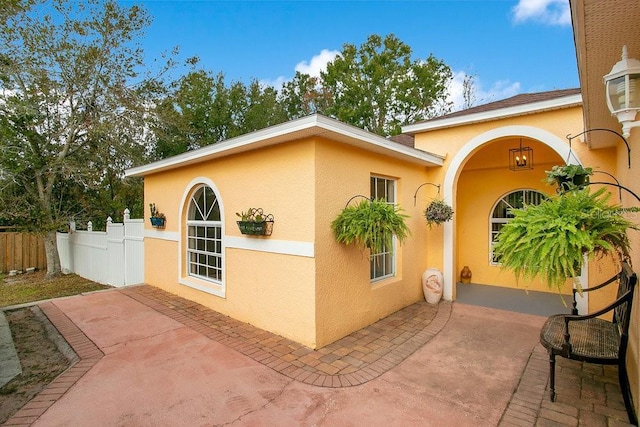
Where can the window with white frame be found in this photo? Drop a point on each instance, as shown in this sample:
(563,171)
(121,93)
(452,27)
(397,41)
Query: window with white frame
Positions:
(204,236)
(383,264)
(502,213)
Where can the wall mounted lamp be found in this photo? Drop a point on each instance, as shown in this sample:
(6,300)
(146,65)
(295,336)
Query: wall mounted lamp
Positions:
(520,158)
(623,91)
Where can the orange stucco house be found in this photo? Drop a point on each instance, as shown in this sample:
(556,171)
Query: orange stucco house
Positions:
(300,283)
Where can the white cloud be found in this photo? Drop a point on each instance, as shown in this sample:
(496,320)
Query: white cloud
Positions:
(318,63)
(456,90)
(550,12)
(277,83)
(497,91)
(313,67)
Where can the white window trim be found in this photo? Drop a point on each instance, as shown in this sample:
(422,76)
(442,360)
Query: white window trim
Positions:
(206,224)
(394,247)
(217,288)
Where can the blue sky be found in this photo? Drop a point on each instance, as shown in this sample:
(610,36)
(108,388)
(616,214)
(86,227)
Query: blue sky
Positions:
(510,46)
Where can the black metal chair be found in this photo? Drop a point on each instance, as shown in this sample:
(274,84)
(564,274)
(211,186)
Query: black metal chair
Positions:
(590,339)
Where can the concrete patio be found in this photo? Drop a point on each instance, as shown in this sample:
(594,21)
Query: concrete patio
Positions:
(147,357)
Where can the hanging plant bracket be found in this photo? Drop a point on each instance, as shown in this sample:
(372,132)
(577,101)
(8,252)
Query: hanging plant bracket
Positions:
(569,137)
(157,219)
(355,197)
(415,195)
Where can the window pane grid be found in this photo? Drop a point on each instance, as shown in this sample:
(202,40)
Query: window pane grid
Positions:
(501,214)
(204,236)
(382,264)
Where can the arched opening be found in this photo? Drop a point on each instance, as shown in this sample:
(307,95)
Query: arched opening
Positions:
(477,176)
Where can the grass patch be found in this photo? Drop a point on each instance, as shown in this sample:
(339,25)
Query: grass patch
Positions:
(25,288)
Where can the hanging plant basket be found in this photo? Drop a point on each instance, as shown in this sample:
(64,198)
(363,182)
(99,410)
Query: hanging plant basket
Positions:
(550,240)
(438,212)
(263,228)
(157,221)
(255,223)
(569,177)
(372,224)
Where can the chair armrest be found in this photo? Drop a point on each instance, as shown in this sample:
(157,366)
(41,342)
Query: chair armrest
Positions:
(573,317)
(601,285)
(575,291)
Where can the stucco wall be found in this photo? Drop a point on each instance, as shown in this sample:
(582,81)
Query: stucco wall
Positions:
(629,178)
(346,300)
(315,298)
(273,291)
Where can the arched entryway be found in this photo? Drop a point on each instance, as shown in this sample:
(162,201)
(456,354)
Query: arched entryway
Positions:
(477,176)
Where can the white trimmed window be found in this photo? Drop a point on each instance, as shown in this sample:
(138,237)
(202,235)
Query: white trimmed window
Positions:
(204,236)
(502,213)
(383,264)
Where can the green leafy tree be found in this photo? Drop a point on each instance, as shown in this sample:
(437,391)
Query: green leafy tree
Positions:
(378,87)
(203,109)
(190,116)
(262,108)
(72,107)
(304,95)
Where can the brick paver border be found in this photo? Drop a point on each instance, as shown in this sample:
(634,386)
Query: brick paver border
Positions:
(88,354)
(353,360)
(588,395)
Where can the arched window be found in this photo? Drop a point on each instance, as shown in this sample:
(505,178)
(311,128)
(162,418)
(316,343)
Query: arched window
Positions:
(204,236)
(502,212)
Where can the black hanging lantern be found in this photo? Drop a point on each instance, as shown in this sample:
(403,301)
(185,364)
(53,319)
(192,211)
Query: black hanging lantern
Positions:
(520,158)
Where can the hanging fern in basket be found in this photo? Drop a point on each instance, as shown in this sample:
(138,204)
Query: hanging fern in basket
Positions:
(372,224)
(550,240)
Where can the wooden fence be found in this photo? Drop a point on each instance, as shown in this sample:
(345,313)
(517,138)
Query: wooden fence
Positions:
(19,251)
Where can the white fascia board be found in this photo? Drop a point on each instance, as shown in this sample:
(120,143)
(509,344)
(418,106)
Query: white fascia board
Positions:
(360,138)
(502,113)
(295,129)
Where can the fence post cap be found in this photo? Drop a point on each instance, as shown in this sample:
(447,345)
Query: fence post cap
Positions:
(127,214)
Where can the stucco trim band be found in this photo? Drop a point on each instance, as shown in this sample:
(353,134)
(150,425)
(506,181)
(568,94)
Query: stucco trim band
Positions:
(171,236)
(283,247)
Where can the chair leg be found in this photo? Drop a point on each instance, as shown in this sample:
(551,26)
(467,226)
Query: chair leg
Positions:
(552,376)
(626,393)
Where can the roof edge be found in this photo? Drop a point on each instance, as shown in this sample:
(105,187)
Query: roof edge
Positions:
(313,125)
(501,113)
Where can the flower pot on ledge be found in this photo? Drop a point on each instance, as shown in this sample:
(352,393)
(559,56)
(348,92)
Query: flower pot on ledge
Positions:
(157,221)
(255,228)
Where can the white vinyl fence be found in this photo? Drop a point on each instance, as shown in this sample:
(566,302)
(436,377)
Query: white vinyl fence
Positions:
(114,257)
